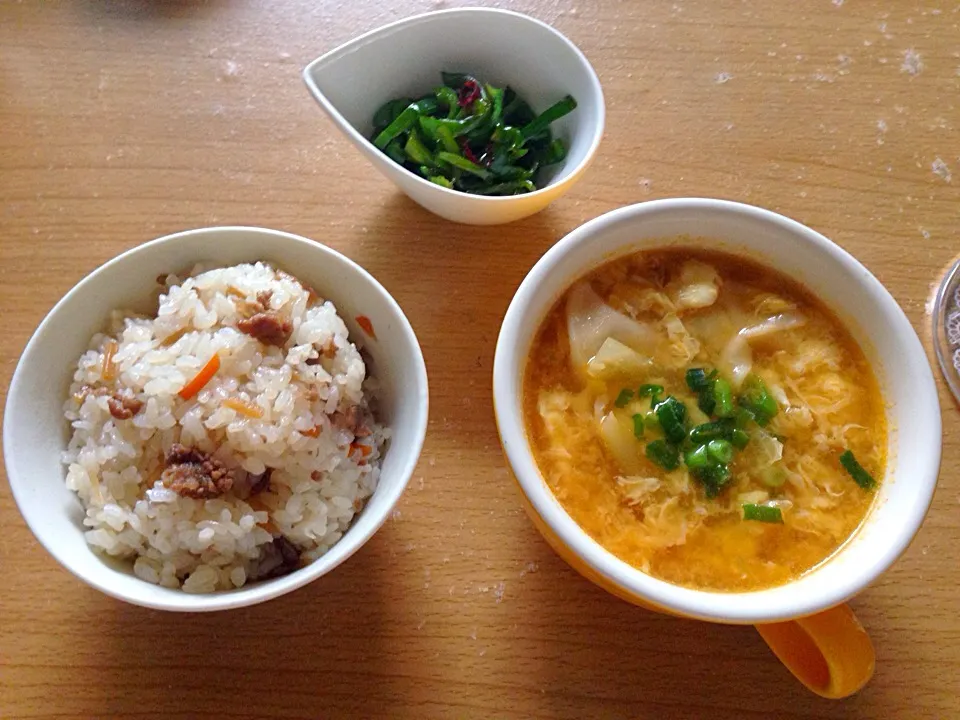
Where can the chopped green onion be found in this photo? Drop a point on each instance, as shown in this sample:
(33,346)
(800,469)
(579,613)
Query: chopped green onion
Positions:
(723,398)
(651,421)
(742,417)
(697,458)
(713,478)
(762,513)
(773,476)
(638,423)
(758,400)
(739,438)
(652,391)
(720,450)
(860,476)
(711,431)
(663,454)
(698,379)
(623,398)
(672,413)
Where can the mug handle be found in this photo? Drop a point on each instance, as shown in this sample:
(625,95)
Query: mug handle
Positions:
(829,652)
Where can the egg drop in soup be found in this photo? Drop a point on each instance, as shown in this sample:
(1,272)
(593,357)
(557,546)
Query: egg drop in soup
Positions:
(705,419)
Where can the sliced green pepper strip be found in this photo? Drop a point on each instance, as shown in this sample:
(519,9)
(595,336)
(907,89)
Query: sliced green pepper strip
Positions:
(507,188)
(552,113)
(388,112)
(441,180)
(447,97)
(395,152)
(403,122)
(417,151)
(464,164)
(555,152)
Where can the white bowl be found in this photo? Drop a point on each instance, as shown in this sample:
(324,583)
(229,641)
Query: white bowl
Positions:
(863,305)
(35,432)
(499,47)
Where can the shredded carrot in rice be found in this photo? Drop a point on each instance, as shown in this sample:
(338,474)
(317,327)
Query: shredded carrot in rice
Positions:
(364,450)
(243,407)
(201,378)
(108,370)
(257,504)
(173,337)
(312,432)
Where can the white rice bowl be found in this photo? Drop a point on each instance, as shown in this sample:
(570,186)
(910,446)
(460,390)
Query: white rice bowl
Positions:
(304,411)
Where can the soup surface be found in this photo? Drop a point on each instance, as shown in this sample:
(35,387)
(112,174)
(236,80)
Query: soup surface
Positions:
(705,419)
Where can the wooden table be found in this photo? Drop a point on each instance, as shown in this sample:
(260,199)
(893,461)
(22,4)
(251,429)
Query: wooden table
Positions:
(126,120)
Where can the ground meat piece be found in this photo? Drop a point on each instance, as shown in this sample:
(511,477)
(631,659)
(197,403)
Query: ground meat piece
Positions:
(279,558)
(264,297)
(123,405)
(351,419)
(261,483)
(192,473)
(329,349)
(267,327)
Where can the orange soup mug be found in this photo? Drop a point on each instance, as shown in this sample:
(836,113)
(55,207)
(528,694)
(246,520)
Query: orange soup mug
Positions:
(806,622)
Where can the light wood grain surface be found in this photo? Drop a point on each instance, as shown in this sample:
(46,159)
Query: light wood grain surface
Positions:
(121,121)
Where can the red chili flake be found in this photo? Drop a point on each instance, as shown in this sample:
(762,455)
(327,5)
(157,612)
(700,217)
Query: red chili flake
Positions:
(364,322)
(468,93)
(468,153)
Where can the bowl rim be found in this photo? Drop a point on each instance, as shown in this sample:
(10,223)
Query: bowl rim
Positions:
(275,587)
(358,138)
(723,607)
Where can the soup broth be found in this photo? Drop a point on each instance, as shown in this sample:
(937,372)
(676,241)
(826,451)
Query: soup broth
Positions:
(690,410)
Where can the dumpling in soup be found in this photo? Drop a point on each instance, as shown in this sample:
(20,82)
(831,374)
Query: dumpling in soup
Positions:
(705,419)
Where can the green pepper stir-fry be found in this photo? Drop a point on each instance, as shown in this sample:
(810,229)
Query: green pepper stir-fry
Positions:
(471,137)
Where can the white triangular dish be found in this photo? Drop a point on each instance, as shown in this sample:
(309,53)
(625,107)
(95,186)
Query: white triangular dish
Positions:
(499,47)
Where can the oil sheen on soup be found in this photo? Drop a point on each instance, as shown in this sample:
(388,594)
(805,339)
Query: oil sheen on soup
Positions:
(705,419)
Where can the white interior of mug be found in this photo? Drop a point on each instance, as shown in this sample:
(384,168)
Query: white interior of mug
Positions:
(862,304)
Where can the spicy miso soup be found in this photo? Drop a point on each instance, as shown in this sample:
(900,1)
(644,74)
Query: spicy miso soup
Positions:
(705,419)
